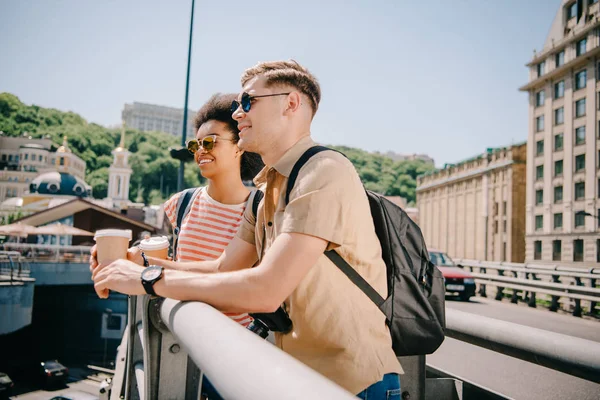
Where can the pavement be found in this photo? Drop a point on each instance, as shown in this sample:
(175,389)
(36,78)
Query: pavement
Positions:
(82,384)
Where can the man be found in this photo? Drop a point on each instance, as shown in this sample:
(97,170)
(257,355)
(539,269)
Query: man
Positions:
(337,330)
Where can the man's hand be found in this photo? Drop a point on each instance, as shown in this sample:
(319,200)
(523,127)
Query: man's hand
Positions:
(93,259)
(134,254)
(122,276)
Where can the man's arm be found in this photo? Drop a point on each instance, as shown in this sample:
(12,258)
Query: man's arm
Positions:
(259,289)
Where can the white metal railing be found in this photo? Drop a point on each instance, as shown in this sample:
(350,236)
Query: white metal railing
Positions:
(576,284)
(14,267)
(50,253)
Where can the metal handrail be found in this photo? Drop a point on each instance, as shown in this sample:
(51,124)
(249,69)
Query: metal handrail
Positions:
(568,354)
(35,252)
(14,268)
(239,363)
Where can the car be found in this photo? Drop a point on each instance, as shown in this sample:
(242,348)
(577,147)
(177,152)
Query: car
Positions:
(457,280)
(6,385)
(75,395)
(52,373)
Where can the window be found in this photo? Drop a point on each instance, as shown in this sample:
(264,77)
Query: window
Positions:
(539,222)
(579,190)
(598,250)
(580,108)
(578,250)
(504,207)
(539,147)
(581,79)
(559,116)
(558,220)
(539,172)
(559,58)
(579,220)
(539,123)
(62,160)
(558,168)
(10,156)
(3,157)
(581,47)
(558,194)
(572,11)
(580,162)
(556,250)
(558,142)
(27,156)
(559,89)
(495,226)
(540,97)
(540,68)
(580,135)
(504,225)
(537,250)
(539,197)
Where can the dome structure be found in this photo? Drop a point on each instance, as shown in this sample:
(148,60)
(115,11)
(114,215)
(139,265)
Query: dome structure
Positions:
(60,183)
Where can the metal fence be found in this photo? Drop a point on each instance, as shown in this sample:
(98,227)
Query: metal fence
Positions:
(526,281)
(14,268)
(50,253)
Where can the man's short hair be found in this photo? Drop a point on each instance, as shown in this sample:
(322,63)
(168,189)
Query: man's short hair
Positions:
(287,73)
(218,108)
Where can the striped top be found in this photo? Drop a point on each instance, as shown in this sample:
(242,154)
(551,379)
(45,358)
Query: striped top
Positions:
(205,231)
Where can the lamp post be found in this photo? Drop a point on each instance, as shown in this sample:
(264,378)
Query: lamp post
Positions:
(185,106)
(587,214)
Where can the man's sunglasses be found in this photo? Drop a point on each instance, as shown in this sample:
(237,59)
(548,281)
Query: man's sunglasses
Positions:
(246,101)
(207,143)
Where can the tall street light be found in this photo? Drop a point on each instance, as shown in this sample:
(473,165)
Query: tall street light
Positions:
(185,106)
(587,214)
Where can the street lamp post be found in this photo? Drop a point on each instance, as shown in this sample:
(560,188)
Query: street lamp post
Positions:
(107,313)
(587,214)
(185,107)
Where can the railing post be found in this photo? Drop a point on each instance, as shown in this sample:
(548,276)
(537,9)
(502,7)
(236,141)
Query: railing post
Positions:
(515,292)
(593,303)
(532,299)
(482,286)
(577,311)
(413,380)
(500,289)
(554,304)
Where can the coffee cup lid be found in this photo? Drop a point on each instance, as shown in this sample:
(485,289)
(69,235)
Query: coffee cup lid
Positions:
(126,233)
(154,243)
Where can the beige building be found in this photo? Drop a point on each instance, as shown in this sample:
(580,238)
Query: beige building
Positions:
(475,209)
(150,117)
(563,157)
(23,158)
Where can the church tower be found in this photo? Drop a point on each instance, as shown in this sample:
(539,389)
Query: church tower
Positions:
(119,174)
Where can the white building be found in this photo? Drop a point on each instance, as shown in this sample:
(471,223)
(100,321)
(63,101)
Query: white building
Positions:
(150,117)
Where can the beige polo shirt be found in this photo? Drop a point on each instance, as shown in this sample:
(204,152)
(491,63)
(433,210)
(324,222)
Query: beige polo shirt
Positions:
(337,330)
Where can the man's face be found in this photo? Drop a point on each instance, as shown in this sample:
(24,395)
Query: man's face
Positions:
(263,123)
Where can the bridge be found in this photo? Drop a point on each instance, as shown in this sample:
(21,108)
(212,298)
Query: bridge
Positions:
(479,371)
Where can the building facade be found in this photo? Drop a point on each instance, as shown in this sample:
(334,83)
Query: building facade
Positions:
(22,159)
(150,117)
(119,175)
(563,156)
(409,157)
(475,209)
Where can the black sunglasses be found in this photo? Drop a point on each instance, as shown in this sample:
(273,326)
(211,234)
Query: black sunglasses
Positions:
(246,101)
(207,143)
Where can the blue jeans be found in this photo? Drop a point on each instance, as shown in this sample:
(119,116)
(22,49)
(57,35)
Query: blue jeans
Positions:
(386,389)
(209,391)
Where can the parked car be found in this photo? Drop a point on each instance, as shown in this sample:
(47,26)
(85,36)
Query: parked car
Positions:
(457,280)
(6,385)
(52,372)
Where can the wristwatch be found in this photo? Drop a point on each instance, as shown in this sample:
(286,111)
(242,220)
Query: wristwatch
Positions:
(146,263)
(150,276)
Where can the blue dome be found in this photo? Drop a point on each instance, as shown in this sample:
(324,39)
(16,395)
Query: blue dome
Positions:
(60,183)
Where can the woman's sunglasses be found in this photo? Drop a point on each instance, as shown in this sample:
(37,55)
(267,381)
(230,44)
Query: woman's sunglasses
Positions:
(246,101)
(207,143)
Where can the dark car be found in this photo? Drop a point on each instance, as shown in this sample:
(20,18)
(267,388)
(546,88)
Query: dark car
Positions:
(53,373)
(6,385)
(457,280)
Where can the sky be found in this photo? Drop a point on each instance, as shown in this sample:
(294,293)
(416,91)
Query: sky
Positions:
(434,77)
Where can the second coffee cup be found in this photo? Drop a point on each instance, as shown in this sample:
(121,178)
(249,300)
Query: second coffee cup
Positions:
(157,247)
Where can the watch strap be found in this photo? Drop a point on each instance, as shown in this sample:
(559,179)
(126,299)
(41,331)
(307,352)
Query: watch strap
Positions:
(146,263)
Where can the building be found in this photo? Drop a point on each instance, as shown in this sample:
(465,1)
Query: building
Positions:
(22,159)
(409,157)
(119,174)
(563,157)
(149,117)
(475,209)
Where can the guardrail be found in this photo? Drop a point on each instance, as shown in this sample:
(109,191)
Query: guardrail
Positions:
(50,253)
(14,268)
(532,279)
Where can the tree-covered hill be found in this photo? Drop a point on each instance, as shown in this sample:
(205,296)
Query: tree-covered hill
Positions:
(154,171)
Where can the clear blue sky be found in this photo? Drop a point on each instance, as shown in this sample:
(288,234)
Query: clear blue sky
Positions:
(438,77)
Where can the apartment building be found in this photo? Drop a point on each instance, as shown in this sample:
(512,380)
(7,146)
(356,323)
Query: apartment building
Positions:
(563,152)
(150,117)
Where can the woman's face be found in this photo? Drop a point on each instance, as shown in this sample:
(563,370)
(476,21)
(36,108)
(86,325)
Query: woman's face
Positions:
(225,154)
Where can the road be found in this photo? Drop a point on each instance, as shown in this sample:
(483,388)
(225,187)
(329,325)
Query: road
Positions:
(512,377)
(85,389)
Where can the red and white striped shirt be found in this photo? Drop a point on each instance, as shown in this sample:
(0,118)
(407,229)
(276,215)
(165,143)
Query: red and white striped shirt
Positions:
(205,231)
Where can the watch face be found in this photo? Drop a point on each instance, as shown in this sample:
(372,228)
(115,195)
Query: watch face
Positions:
(151,273)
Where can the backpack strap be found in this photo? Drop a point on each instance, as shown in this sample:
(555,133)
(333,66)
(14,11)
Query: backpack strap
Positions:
(257,195)
(184,203)
(333,255)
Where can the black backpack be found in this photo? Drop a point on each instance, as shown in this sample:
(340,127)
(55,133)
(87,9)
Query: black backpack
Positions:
(415,306)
